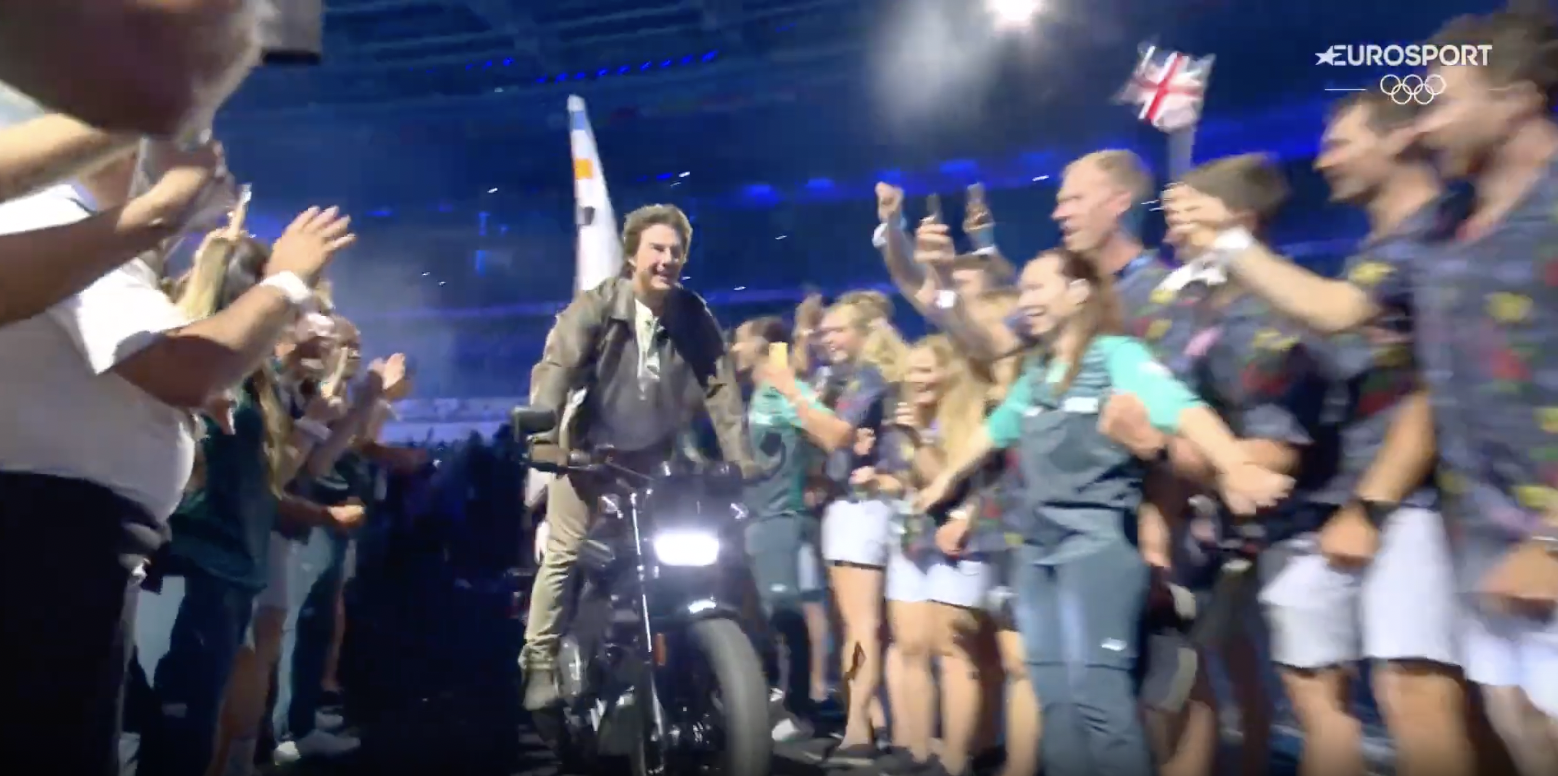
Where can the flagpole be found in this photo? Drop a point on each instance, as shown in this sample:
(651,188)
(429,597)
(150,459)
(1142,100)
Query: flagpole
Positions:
(1181,152)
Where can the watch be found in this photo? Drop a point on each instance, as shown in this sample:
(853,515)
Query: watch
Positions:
(1377,512)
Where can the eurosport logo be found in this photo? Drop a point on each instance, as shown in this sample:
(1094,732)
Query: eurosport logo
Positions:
(1410,55)
(1411,89)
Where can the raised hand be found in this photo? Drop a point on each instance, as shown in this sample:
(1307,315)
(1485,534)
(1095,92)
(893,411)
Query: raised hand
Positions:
(933,243)
(392,374)
(1194,219)
(808,315)
(1124,419)
(310,243)
(347,516)
(865,441)
(889,202)
(191,178)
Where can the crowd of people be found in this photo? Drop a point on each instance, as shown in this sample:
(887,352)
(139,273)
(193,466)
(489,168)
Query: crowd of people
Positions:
(1106,472)
(1054,513)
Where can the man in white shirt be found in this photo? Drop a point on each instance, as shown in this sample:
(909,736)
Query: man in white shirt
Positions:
(96,446)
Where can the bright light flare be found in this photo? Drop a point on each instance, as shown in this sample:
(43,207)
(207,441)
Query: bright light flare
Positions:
(1012,13)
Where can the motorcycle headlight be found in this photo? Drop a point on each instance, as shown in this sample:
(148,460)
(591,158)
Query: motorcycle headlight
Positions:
(686,548)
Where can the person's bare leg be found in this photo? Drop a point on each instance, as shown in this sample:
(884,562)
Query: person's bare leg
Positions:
(1024,720)
(816,614)
(1333,739)
(958,629)
(859,592)
(909,693)
(243,706)
(1525,730)
(1422,705)
(1193,735)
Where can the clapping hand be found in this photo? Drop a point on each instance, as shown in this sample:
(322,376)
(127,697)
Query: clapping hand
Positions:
(310,243)
(889,203)
(389,374)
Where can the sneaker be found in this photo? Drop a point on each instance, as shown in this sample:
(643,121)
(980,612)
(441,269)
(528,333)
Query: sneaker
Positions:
(317,744)
(328,721)
(852,756)
(792,728)
(897,761)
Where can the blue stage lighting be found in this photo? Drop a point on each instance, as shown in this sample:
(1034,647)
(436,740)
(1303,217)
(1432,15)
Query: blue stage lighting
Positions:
(666,63)
(623,69)
(646,66)
(603,71)
(709,57)
(508,63)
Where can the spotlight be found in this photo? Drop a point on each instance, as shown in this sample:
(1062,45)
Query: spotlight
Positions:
(1012,13)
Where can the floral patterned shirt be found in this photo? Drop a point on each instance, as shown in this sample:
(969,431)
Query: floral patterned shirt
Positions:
(1486,307)
(1373,369)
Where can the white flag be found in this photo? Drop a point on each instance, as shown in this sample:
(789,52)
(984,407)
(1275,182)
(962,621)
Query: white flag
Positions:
(600,249)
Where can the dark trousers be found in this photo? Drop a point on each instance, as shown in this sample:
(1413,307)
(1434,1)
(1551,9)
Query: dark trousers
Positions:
(67,603)
(1081,620)
(193,631)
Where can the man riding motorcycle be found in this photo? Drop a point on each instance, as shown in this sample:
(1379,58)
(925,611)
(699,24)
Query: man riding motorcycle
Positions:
(646,353)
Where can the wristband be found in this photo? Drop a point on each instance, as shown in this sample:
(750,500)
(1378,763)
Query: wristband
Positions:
(297,292)
(1547,540)
(313,429)
(879,237)
(1378,512)
(1231,242)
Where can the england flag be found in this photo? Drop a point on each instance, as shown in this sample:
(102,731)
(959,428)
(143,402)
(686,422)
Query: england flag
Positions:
(599,255)
(1168,87)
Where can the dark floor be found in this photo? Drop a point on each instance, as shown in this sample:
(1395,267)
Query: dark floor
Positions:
(799,759)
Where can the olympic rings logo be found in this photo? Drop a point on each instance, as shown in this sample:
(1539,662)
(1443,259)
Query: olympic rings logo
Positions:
(1405,90)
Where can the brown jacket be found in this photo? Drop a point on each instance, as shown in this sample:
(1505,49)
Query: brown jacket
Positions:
(585,349)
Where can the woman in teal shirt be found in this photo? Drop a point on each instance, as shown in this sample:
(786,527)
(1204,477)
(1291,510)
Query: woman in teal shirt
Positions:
(197,602)
(1080,582)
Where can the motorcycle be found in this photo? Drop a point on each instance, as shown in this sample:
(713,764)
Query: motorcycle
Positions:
(654,665)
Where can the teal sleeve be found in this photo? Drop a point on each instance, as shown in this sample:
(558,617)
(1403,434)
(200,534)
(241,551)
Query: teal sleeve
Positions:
(807,398)
(1004,426)
(1133,370)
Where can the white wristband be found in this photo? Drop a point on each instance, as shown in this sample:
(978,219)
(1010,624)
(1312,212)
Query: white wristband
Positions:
(879,237)
(1231,242)
(313,429)
(297,292)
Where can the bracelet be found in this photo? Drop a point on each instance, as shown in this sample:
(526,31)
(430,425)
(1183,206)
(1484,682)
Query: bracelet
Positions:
(291,286)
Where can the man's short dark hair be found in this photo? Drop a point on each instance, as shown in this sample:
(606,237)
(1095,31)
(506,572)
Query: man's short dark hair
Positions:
(1382,113)
(1250,182)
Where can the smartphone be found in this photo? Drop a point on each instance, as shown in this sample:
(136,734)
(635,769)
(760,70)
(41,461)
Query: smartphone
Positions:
(976,193)
(933,208)
(779,355)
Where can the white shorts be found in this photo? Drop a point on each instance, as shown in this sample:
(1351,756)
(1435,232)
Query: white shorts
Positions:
(1402,606)
(1504,651)
(939,579)
(856,532)
(274,595)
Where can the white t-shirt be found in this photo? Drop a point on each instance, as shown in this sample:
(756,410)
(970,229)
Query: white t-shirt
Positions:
(62,411)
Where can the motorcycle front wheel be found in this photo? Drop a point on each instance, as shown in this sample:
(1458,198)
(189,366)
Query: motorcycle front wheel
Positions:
(736,693)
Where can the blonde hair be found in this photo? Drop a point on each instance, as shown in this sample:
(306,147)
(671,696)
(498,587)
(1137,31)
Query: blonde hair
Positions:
(965,395)
(882,348)
(223,269)
(1123,167)
(875,303)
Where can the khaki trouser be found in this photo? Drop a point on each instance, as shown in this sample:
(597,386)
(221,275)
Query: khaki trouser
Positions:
(569,503)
